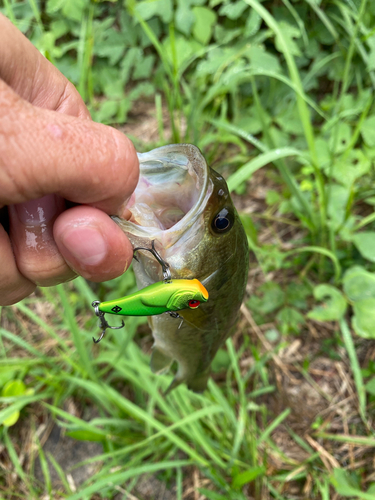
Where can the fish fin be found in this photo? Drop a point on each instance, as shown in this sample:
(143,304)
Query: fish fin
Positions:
(160,362)
(196,384)
(199,382)
(175,383)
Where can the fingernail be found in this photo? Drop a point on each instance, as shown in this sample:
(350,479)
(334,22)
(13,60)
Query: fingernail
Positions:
(85,244)
(39,212)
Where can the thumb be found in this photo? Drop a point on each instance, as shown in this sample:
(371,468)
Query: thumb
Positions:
(44,152)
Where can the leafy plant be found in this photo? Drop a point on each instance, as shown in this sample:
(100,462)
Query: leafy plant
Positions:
(14,389)
(286,305)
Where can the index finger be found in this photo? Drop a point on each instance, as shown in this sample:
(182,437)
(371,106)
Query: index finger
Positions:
(44,152)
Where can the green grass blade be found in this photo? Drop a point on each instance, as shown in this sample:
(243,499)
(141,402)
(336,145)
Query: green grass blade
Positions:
(242,419)
(10,12)
(321,251)
(302,108)
(316,68)
(294,75)
(155,42)
(159,117)
(118,478)
(14,457)
(350,51)
(245,172)
(85,290)
(60,473)
(108,393)
(289,83)
(221,124)
(17,340)
(85,49)
(179,485)
(21,306)
(324,18)
(278,420)
(45,469)
(78,339)
(356,369)
(344,438)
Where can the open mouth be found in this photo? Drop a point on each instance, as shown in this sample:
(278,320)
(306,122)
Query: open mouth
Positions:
(172,186)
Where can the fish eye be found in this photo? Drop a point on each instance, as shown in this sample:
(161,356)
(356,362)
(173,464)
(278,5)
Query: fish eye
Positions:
(223,221)
(193,304)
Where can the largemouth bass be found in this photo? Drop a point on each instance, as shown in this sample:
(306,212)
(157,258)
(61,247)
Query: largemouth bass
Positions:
(185,208)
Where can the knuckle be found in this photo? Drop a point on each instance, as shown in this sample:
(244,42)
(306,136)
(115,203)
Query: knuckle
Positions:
(70,102)
(126,165)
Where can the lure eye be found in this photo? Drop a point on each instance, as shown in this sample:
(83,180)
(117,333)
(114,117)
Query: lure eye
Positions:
(223,221)
(193,304)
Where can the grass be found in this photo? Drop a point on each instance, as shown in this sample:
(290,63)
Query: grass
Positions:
(243,436)
(279,98)
(225,432)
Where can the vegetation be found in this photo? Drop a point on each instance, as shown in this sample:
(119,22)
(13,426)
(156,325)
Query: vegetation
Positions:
(279,96)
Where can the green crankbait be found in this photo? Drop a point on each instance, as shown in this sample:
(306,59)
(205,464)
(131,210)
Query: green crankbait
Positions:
(167,296)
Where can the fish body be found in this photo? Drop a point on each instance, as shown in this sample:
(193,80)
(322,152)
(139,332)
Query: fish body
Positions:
(158,298)
(185,208)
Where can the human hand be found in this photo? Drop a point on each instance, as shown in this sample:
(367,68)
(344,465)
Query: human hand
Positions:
(51,151)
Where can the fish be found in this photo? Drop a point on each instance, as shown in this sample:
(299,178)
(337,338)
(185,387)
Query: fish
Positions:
(184,208)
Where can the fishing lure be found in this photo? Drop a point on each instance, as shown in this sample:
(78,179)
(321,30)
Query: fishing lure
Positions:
(167,296)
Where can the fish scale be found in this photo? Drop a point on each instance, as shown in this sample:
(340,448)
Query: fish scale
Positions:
(193,248)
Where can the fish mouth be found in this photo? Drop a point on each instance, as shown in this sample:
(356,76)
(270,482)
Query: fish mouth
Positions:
(170,196)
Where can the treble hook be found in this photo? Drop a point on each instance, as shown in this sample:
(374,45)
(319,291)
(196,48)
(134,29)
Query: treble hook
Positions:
(103,322)
(165,266)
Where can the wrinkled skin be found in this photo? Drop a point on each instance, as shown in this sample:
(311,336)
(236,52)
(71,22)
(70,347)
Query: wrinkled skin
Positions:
(194,248)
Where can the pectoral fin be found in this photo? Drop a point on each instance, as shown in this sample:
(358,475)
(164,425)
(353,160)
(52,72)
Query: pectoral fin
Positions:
(175,383)
(160,362)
